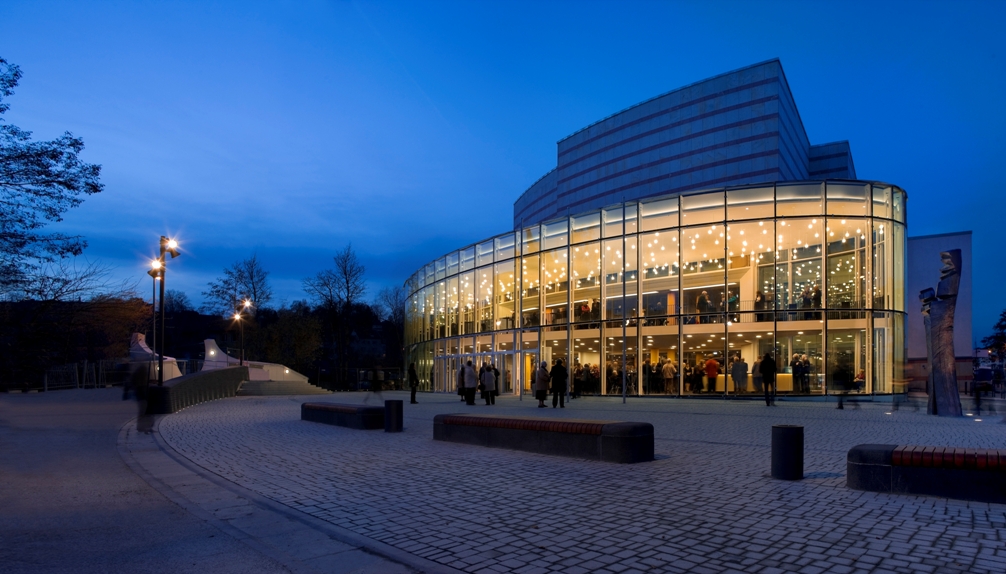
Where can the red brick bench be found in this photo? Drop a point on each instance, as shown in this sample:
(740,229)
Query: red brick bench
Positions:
(351,416)
(610,441)
(949,472)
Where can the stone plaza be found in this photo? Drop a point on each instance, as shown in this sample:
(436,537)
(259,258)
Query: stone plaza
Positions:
(706,504)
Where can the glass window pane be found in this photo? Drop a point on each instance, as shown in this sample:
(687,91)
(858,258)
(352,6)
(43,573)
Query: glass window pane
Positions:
(702,208)
(484,298)
(848,199)
(631,219)
(468,258)
(799,199)
(897,253)
(659,264)
(612,220)
(484,253)
(505,296)
(847,361)
(659,214)
(453,260)
(882,201)
(431,274)
(585,273)
(530,307)
(660,361)
(586,227)
(751,203)
(881,264)
(466,300)
(531,240)
(748,244)
(703,273)
(555,234)
(441,268)
(555,280)
(900,209)
(452,307)
(846,263)
(505,246)
(800,358)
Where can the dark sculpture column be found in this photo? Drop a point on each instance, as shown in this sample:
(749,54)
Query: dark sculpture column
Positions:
(938,313)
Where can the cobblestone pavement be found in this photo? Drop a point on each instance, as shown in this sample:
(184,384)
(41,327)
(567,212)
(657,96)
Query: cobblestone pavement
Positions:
(705,505)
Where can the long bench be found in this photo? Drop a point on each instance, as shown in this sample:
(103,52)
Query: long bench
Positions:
(949,472)
(625,442)
(351,416)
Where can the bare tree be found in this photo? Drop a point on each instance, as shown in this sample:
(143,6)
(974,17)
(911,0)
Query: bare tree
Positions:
(341,287)
(336,291)
(176,301)
(392,302)
(243,280)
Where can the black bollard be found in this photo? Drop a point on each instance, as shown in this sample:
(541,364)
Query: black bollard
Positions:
(787,452)
(393,416)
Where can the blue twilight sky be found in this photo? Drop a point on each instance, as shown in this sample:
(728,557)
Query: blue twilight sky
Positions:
(409,128)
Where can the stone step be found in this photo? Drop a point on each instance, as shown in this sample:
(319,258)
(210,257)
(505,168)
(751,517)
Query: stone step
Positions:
(263,388)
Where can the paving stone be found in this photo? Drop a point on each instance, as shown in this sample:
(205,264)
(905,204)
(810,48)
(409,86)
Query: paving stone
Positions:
(705,505)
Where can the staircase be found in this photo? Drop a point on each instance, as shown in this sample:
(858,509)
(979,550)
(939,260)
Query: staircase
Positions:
(270,388)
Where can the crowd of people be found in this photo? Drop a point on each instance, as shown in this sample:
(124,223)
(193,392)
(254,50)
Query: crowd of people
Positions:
(484,381)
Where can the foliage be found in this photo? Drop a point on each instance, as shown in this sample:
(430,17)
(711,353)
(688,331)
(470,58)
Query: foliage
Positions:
(39,182)
(243,280)
(176,302)
(996,342)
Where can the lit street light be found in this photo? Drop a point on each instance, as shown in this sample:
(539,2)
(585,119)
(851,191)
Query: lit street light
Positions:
(167,246)
(155,274)
(241,326)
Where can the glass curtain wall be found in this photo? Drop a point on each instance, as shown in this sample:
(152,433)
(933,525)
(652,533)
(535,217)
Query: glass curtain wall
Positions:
(682,295)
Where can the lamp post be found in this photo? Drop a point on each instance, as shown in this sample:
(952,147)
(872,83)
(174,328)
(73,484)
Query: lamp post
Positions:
(155,274)
(241,327)
(167,246)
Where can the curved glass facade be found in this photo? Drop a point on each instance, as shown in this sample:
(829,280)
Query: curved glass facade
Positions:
(642,295)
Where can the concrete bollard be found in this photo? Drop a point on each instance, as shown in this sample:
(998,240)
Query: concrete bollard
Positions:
(393,416)
(787,452)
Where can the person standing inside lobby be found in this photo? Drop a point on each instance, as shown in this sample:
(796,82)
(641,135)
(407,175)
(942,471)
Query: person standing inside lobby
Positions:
(712,370)
(558,376)
(767,370)
(739,373)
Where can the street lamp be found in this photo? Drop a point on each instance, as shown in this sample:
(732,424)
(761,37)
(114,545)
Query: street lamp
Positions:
(167,246)
(155,274)
(241,327)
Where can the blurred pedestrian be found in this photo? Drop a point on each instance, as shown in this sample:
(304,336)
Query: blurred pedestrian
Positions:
(489,386)
(767,370)
(471,378)
(413,382)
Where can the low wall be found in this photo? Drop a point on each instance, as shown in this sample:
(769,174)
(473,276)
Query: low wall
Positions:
(610,441)
(181,392)
(948,472)
(350,416)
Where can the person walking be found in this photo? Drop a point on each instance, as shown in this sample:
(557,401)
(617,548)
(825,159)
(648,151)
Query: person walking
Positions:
(541,380)
(739,373)
(376,385)
(471,383)
(413,382)
(767,370)
(558,376)
(461,382)
(756,375)
(489,386)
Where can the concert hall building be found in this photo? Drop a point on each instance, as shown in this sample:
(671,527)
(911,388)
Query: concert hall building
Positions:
(700,224)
